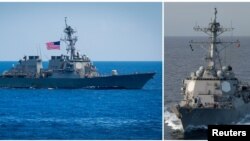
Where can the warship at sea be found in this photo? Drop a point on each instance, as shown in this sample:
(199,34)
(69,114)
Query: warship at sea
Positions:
(213,95)
(68,71)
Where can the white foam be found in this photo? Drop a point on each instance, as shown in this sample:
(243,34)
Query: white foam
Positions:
(172,121)
(245,120)
(196,127)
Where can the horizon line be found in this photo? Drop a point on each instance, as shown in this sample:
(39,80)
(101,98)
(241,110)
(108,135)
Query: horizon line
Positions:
(204,36)
(99,61)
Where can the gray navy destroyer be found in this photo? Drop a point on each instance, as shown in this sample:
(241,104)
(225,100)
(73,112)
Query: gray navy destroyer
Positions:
(213,95)
(73,71)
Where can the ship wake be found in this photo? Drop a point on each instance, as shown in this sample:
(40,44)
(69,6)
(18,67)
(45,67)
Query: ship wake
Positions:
(172,121)
(245,120)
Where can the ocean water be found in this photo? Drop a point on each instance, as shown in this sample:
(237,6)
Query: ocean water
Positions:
(180,61)
(85,114)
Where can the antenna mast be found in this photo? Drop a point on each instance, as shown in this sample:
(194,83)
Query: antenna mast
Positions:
(69,39)
(213,30)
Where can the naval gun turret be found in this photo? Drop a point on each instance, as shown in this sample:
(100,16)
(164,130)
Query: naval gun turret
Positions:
(213,94)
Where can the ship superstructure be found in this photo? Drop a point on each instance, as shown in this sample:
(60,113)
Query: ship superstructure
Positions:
(68,71)
(213,94)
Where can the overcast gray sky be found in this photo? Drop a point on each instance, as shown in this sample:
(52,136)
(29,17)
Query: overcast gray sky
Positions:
(180,18)
(107,31)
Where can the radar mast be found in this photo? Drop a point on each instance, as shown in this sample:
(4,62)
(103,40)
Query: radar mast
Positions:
(69,39)
(214,29)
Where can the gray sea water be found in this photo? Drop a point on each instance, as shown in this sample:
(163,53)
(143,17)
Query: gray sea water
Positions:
(180,61)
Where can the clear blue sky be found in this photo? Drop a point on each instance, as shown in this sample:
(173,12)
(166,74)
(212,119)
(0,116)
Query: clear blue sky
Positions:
(106,31)
(180,18)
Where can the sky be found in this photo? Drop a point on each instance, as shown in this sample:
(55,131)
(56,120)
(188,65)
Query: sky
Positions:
(180,18)
(106,31)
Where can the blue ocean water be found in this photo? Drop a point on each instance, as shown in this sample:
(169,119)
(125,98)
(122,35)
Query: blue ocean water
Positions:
(85,114)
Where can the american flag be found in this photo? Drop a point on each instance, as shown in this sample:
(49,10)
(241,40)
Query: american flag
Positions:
(53,45)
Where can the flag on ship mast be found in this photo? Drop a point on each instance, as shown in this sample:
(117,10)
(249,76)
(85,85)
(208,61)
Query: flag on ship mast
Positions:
(53,45)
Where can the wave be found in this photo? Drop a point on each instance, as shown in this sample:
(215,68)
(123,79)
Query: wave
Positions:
(197,127)
(107,122)
(245,120)
(172,121)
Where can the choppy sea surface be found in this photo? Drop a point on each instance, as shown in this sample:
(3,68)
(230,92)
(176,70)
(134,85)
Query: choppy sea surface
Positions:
(85,114)
(180,61)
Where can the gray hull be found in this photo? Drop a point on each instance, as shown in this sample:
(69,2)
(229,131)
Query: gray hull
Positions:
(201,117)
(130,81)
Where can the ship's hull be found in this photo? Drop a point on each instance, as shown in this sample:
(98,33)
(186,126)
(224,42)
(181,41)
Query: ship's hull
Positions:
(130,81)
(201,117)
